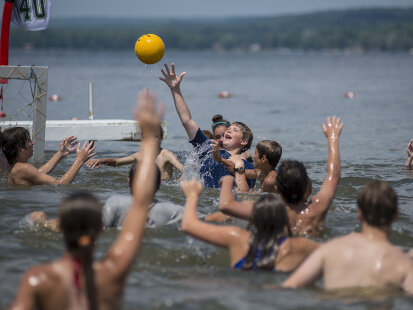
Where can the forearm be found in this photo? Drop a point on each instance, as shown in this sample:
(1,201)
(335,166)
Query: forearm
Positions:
(128,160)
(190,217)
(184,114)
(144,184)
(70,175)
(241,181)
(227,163)
(333,163)
(52,163)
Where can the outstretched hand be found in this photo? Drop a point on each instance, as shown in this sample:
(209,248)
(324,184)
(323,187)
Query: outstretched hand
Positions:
(149,118)
(68,145)
(332,128)
(215,150)
(93,163)
(86,151)
(170,78)
(191,188)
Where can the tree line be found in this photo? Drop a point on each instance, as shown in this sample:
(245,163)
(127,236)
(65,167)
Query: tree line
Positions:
(368,29)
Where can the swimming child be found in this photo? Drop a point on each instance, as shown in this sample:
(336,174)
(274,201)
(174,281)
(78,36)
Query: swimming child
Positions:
(17,147)
(237,138)
(365,259)
(76,281)
(267,245)
(166,161)
(292,183)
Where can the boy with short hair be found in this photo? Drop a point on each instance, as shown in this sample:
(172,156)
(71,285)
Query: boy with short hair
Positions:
(365,259)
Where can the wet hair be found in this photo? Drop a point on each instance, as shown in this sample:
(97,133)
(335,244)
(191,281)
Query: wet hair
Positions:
(132,172)
(377,202)
(208,134)
(12,140)
(218,120)
(246,134)
(272,151)
(268,223)
(80,217)
(291,181)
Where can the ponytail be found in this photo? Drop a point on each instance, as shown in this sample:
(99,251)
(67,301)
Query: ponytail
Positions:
(86,255)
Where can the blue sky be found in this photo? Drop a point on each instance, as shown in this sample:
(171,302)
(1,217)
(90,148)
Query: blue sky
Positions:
(207,8)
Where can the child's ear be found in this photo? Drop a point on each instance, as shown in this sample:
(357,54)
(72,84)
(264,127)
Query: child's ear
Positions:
(360,216)
(264,158)
(244,142)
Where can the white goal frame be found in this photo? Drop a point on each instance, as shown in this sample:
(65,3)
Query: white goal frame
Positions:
(40,77)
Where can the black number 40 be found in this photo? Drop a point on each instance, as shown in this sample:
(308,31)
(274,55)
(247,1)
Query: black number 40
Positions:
(38,6)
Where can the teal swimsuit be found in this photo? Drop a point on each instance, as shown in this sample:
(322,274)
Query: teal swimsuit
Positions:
(257,256)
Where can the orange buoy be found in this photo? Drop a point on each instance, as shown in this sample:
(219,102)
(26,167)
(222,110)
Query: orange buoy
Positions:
(224,94)
(2,114)
(54,97)
(349,95)
(149,48)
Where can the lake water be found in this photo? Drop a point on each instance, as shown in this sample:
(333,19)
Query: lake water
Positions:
(282,96)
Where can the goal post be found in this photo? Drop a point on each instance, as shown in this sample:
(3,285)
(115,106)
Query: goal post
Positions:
(38,77)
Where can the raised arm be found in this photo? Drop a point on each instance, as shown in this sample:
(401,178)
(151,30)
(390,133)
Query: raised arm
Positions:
(67,146)
(227,203)
(222,236)
(173,82)
(332,130)
(409,160)
(173,159)
(309,271)
(123,252)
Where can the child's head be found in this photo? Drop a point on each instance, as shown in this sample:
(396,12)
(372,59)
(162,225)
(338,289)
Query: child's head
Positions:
(292,181)
(269,223)
(246,134)
(219,126)
(269,216)
(377,203)
(13,140)
(272,151)
(80,217)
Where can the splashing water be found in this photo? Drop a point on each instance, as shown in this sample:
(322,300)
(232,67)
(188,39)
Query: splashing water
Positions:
(195,160)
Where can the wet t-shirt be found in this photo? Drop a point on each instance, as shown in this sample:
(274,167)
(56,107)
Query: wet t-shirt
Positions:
(212,171)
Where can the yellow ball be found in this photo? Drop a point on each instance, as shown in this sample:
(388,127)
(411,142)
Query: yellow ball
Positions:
(149,48)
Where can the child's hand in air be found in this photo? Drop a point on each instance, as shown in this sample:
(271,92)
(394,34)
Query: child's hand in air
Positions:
(332,128)
(191,188)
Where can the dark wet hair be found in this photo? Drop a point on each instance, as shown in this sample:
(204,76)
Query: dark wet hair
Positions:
(80,217)
(268,222)
(161,132)
(208,134)
(12,140)
(218,120)
(246,134)
(132,172)
(272,151)
(292,181)
(377,202)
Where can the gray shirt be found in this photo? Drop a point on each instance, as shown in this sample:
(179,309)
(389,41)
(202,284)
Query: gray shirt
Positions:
(160,213)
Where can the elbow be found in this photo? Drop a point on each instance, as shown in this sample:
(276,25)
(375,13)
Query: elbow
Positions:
(223,206)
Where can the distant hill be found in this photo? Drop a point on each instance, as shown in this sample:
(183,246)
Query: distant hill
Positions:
(367,29)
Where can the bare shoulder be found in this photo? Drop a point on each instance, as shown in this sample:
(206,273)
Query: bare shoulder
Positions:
(167,154)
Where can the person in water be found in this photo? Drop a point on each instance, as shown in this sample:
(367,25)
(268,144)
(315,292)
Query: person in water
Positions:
(266,157)
(166,161)
(116,208)
(17,147)
(292,183)
(76,281)
(267,245)
(237,138)
(409,160)
(365,259)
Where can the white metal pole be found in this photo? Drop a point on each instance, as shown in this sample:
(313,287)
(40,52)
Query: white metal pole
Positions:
(90,100)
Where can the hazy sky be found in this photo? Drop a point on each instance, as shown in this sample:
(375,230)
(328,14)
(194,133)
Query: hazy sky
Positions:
(207,8)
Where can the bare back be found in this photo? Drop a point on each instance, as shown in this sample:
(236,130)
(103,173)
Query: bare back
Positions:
(357,261)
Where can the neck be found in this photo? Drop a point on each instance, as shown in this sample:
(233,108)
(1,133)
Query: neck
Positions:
(266,169)
(234,151)
(375,233)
